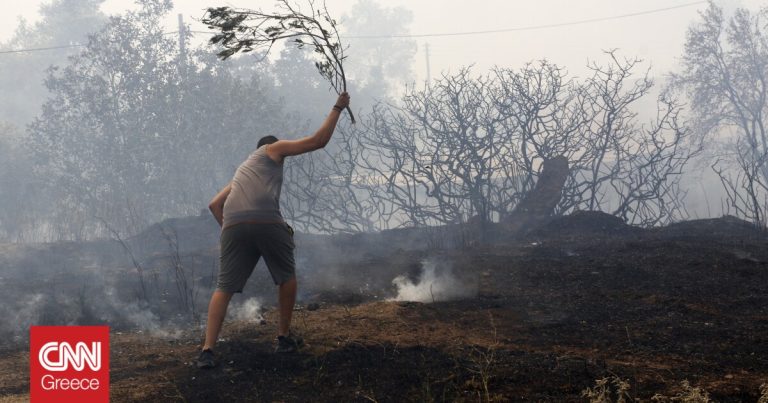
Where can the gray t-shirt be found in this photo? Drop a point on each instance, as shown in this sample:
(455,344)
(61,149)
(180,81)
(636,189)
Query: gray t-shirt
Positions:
(255,193)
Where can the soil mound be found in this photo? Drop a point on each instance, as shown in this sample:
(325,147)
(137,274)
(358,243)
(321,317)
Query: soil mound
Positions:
(720,228)
(585,223)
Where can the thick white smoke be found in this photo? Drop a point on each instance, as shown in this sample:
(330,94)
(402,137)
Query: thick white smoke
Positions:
(436,283)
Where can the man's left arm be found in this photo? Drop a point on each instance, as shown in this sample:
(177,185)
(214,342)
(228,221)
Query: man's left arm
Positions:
(217,203)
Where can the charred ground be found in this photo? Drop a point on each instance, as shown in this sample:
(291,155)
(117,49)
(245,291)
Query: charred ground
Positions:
(581,298)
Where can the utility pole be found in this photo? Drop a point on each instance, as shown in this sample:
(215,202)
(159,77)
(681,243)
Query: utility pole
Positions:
(181,63)
(182,37)
(426,53)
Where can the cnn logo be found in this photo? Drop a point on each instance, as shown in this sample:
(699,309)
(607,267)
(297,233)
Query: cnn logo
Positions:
(69,363)
(77,357)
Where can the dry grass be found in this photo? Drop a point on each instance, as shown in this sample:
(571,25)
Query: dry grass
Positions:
(688,394)
(608,390)
(763,393)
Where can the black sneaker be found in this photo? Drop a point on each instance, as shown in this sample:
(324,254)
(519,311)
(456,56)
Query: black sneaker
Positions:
(288,344)
(205,360)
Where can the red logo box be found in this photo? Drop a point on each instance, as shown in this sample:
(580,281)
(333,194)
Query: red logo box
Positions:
(69,364)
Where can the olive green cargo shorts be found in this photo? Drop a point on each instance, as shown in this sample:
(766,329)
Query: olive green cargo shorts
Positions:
(242,245)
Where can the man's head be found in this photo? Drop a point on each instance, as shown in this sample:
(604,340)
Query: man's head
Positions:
(266,140)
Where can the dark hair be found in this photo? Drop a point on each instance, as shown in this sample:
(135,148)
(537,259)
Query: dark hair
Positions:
(266,140)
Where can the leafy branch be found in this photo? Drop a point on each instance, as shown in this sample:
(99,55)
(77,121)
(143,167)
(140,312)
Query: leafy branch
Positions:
(244,30)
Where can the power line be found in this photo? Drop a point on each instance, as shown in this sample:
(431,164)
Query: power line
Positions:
(39,49)
(76,45)
(490,31)
(529,28)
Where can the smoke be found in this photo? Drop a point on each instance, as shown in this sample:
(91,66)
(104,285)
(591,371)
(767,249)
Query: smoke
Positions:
(436,283)
(22,315)
(95,284)
(249,311)
(134,314)
(99,304)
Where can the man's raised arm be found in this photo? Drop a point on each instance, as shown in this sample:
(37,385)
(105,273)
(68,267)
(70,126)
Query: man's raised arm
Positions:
(284,148)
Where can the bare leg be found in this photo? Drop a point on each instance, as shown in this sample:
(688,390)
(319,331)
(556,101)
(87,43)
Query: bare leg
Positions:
(286,299)
(217,309)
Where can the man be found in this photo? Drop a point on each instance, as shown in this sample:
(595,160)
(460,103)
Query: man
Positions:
(248,210)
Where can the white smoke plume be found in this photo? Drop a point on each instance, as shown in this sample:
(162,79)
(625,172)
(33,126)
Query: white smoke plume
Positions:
(249,310)
(136,315)
(436,283)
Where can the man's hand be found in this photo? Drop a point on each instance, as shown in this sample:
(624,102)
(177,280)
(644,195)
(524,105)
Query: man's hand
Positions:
(217,204)
(343,100)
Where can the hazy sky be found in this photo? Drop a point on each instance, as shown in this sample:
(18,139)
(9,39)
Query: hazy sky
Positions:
(658,38)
